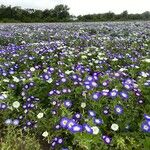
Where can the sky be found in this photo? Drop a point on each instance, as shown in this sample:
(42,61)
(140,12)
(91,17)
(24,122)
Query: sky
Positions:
(82,7)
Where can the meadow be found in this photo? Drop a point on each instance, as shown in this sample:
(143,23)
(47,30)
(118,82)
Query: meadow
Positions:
(75,86)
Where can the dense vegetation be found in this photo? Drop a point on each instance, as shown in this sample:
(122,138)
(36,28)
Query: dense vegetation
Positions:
(75,86)
(61,14)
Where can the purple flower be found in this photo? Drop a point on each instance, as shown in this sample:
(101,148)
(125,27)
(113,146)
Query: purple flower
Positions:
(59,140)
(77,128)
(70,124)
(77,116)
(106,111)
(98,121)
(147,117)
(15,122)
(145,127)
(63,122)
(91,113)
(119,109)
(88,128)
(67,103)
(46,76)
(93,84)
(106,139)
(113,93)
(105,92)
(96,96)
(57,127)
(3,106)
(124,95)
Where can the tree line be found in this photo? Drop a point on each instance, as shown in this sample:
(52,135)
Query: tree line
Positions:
(60,13)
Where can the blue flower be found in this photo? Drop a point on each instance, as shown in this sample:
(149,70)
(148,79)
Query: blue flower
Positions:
(67,103)
(77,116)
(118,109)
(98,121)
(145,127)
(91,113)
(15,122)
(88,128)
(113,93)
(106,139)
(70,124)
(63,122)
(96,95)
(124,95)
(46,76)
(147,117)
(77,128)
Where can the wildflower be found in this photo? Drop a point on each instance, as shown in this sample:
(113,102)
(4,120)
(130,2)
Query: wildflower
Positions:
(96,95)
(118,109)
(114,127)
(113,93)
(95,130)
(70,124)
(91,113)
(15,122)
(67,103)
(59,140)
(32,69)
(15,79)
(98,121)
(40,115)
(77,128)
(77,116)
(16,104)
(147,117)
(63,122)
(124,95)
(88,128)
(8,121)
(45,134)
(106,139)
(83,105)
(145,127)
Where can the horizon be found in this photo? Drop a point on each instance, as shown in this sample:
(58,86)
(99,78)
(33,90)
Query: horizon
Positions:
(84,7)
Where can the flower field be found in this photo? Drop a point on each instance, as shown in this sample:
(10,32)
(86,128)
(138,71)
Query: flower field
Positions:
(75,86)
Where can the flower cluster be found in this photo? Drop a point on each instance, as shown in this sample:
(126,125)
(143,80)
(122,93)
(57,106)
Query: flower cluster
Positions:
(76,89)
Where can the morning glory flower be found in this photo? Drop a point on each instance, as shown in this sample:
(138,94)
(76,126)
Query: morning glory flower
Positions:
(91,113)
(147,117)
(96,96)
(145,127)
(106,139)
(77,128)
(118,109)
(8,121)
(63,122)
(124,95)
(40,115)
(45,134)
(16,104)
(88,128)
(70,124)
(67,103)
(95,130)
(15,122)
(98,121)
(114,127)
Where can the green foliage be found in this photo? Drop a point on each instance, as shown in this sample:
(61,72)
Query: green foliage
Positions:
(60,13)
(15,139)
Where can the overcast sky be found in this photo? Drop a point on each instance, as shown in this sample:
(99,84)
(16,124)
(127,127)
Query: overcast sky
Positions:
(85,6)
